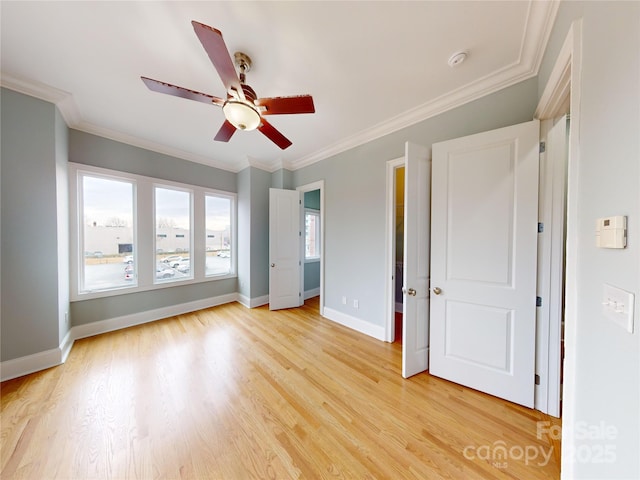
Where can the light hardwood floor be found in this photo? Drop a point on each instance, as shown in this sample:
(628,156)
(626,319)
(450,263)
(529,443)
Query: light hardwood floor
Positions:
(233,393)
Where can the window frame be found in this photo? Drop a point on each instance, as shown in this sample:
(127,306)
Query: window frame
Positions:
(316,213)
(233,233)
(191,193)
(144,232)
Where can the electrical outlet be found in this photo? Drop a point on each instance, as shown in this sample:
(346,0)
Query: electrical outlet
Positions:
(66,318)
(356,304)
(344,300)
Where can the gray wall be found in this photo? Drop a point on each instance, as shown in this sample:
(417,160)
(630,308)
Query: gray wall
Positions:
(101,152)
(605,362)
(311,275)
(282,178)
(355,188)
(244,232)
(260,184)
(253,231)
(31,301)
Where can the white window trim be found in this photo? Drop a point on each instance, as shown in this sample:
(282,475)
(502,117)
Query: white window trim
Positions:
(191,192)
(318,235)
(144,232)
(232,231)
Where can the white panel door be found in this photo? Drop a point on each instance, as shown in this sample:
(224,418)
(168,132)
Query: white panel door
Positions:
(415,310)
(284,249)
(483,261)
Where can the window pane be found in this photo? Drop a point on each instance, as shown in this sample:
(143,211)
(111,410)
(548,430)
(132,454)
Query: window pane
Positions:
(218,231)
(312,235)
(173,234)
(107,236)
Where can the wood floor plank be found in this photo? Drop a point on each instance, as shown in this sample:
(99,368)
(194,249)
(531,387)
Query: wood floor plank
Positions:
(233,393)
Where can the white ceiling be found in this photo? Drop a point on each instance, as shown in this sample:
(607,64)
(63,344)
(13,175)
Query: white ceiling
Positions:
(372,67)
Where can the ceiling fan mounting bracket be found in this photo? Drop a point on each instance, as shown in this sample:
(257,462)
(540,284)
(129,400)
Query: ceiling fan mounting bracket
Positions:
(243,61)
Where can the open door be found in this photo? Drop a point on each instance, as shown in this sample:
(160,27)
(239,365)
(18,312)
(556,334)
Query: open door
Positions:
(415,312)
(483,261)
(284,249)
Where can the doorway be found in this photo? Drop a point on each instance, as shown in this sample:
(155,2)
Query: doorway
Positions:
(395,249)
(312,243)
(399,252)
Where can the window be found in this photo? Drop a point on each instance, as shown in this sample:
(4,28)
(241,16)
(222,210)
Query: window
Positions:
(311,234)
(137,233)
(106,217)
(218,214)
(173,234)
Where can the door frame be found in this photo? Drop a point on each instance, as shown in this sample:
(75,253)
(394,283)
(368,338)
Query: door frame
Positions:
(564,88)
(309,187)
(390,248)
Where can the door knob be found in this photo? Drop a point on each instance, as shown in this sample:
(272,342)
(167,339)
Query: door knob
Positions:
(273,265)
(437,291)
(410,291)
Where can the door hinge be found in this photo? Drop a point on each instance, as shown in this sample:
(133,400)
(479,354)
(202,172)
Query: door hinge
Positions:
(538,301)
(536,378)
(543,147)
(299,263)
(540,227)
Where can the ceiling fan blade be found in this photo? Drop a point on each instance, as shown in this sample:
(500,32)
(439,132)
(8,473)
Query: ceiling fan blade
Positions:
(285,105)
(218,52)
(274,135)
(226,132)
(163,87)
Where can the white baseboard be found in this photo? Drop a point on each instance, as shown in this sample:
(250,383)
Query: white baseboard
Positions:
(56,356)
(30,363)
(357,324)
(253,302)
(314,292)
(125,321)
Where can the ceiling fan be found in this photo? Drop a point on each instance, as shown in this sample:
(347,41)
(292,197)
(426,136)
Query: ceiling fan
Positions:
(242,108)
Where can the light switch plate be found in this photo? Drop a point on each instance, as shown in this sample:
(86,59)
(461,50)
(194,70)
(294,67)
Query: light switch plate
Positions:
(617,306)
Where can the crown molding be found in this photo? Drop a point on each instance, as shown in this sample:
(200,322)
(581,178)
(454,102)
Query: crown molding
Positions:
(539,23)
(540,19)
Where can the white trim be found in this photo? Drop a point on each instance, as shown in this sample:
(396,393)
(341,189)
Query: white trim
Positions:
(65,346)
(563,84)
(558,87)
(314,292)
(569,63)
(551,212)
(571,263)
(253,302)
(30,363)
(144,231)
(357,324)
(390,249)
(56,356)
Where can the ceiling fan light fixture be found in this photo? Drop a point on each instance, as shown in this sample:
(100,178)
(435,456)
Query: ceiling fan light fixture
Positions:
(241,115)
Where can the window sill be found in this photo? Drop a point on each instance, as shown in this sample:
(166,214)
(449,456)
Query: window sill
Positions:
(127,290)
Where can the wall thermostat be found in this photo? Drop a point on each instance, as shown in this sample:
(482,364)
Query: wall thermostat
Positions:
(611,232)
